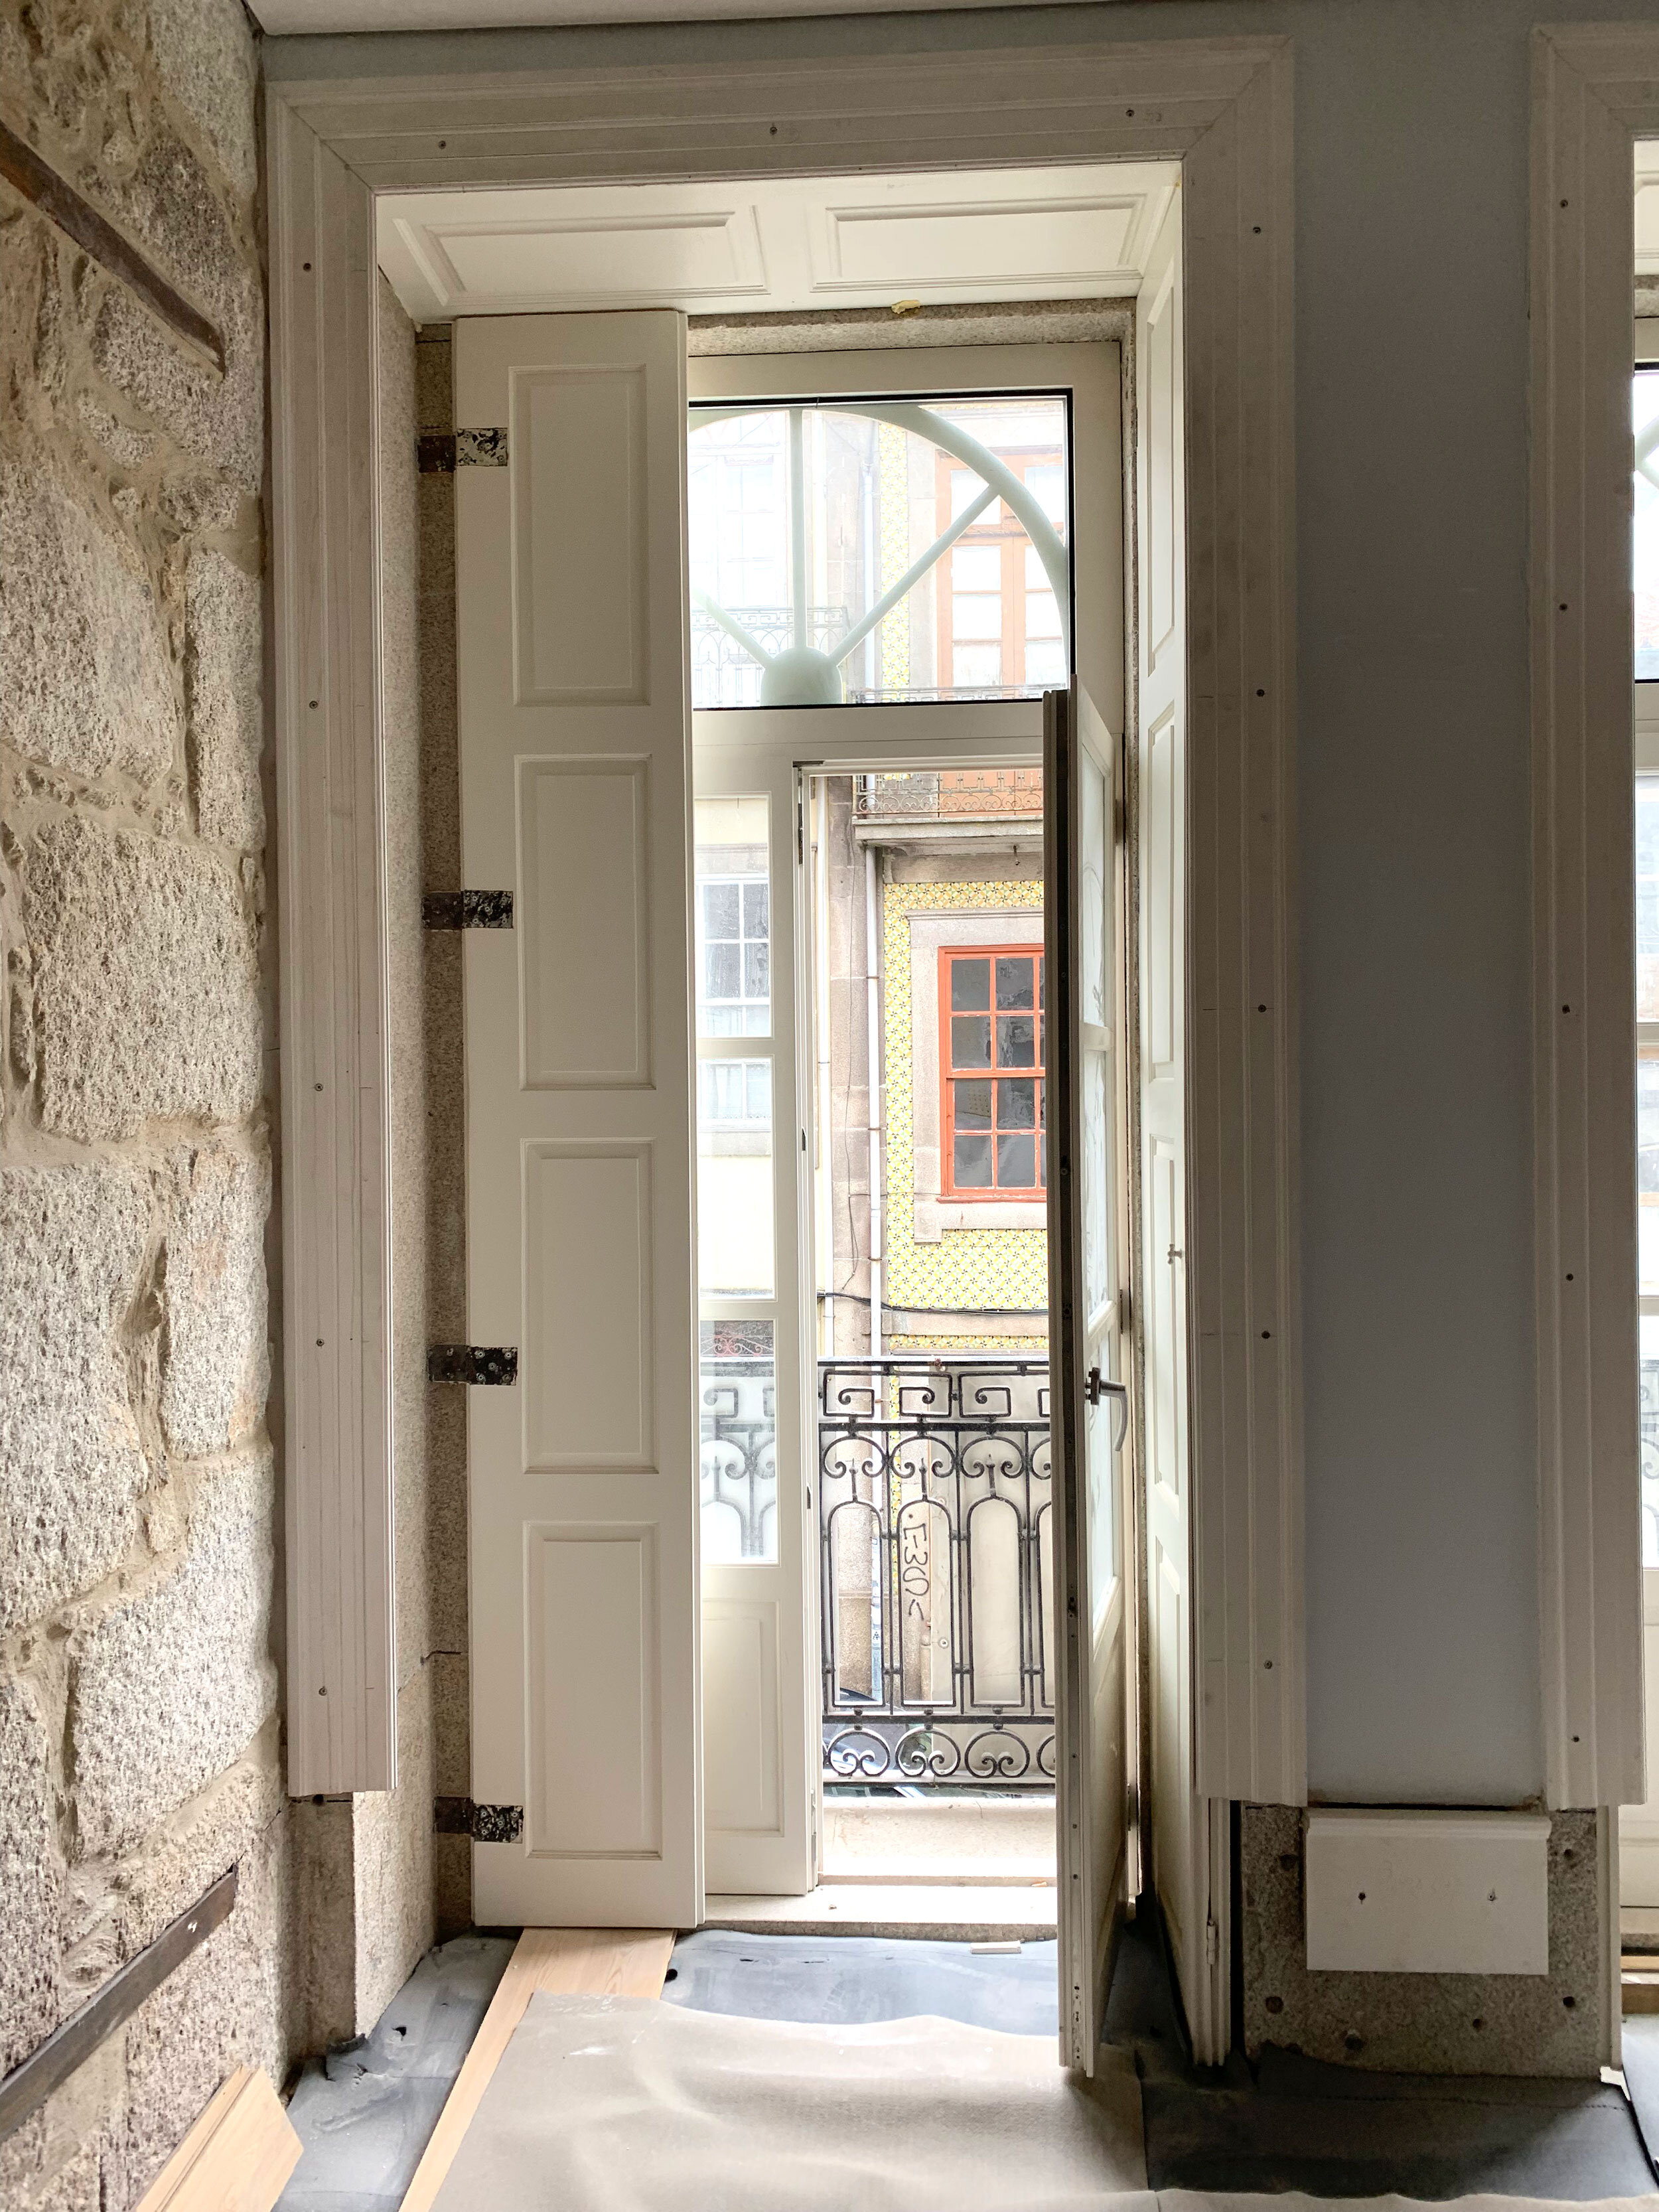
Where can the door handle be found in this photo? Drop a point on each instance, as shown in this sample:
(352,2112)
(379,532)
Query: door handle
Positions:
(1096,1387)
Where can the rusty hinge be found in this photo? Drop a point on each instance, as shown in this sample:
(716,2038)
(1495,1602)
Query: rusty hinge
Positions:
(481,449)
(485,1824)
(435,453)
(472,1363)
(466,910)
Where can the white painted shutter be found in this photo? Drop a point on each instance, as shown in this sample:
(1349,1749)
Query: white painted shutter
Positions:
(1082,989)
(575,722)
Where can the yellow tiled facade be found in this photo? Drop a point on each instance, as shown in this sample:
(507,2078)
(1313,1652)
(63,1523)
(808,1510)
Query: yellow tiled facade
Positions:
(968,1267)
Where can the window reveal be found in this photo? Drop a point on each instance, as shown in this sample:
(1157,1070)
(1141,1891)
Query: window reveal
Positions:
(990,1066)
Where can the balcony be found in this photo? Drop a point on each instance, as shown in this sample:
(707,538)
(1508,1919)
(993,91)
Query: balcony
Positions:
(936,1573)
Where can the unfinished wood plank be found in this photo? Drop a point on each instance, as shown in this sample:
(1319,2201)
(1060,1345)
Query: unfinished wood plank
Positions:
(237,2157)
(617,1962)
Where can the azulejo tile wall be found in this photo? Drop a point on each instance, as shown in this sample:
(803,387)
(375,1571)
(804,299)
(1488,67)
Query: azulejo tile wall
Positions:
(968,1267)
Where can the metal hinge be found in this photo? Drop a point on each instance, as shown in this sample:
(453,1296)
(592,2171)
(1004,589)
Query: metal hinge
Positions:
(481,449)
(440,453)
(1211,1944)
(485,1824)
(472,1363)
(466,910)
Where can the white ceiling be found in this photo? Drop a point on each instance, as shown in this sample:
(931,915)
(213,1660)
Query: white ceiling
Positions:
(280,17)
(783,245)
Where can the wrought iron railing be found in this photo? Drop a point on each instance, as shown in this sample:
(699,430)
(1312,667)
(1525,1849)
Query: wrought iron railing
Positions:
(936,1570)
(738,1457)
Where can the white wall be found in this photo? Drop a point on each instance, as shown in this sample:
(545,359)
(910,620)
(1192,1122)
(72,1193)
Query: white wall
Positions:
(1412,148)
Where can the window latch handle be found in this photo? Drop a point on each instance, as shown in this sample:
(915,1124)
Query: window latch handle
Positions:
(1096,1387)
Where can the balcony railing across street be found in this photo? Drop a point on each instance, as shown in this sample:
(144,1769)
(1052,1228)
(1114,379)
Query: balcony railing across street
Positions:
(936,1570)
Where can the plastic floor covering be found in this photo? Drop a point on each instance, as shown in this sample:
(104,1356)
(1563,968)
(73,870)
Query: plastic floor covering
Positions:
(1294,2125)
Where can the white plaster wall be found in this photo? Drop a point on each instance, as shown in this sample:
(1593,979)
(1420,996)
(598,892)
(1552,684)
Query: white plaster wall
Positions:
(1411,424)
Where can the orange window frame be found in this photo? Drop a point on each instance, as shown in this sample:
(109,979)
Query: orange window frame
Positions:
(950,1075)
(1009,537)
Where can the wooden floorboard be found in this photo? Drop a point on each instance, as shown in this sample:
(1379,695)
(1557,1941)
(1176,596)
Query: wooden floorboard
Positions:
(237,2157)
(620,1962)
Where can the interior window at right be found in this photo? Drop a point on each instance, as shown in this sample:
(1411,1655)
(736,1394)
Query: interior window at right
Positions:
(1644,395)
(1647,1146)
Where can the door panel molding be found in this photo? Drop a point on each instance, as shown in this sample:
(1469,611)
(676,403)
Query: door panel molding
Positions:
(1221,106)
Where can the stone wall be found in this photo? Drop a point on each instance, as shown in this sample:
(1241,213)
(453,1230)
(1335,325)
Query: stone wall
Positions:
(139,1630)
(1549,2024)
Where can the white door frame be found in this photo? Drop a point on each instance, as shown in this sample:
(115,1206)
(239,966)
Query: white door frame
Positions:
(767,752)
(1223,109)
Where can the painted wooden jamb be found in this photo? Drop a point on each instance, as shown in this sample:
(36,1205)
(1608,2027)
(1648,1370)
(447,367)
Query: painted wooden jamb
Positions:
(1593,91)
(1223,108)
(331,920)
(1249,1721)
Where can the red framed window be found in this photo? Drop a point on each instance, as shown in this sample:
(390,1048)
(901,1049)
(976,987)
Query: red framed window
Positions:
(992,1093)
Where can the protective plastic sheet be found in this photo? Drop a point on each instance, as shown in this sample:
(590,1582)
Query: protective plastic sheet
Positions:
(624,2105)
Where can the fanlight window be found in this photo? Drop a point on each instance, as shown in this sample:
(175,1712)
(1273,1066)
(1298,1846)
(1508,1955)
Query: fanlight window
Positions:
(875,551)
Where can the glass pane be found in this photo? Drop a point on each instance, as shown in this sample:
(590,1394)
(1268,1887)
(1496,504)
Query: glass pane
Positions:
(1016,1163)
(736,1091)
(722,971)
(973,1105)
(1016,1040)
(972,1162)
(1644,422)
(1094,855)
(734,1179)
(979,568)
(1649,1345)
(1647,1168)
(1017,1103)
(971,1041)
(970,986)
(1014,981)
(884,484)
(976,615)
(1041,616)
(1647,898)
(733,951)
(1096,1180)
(977,668)
(739,1460)
(720,911)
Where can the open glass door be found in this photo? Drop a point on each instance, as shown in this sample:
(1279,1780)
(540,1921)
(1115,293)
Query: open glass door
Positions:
(1088,1399)
(753,1401)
